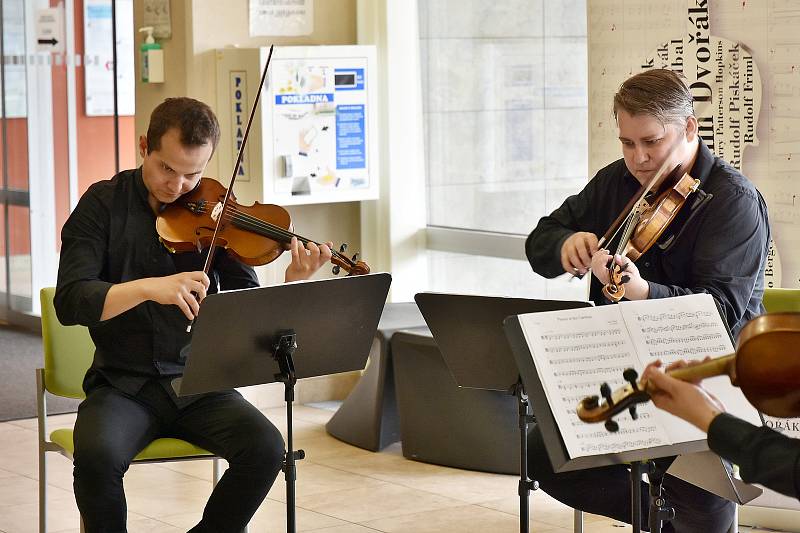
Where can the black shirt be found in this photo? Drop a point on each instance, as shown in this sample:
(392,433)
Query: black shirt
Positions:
(764,456)
(111,238)
(717,244)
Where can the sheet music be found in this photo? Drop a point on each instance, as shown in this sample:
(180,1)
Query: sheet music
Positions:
(686,327)
(574,352)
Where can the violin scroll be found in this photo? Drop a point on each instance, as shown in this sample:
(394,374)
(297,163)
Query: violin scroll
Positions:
(591,410)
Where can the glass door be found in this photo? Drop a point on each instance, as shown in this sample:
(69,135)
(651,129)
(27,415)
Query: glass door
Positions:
(58,131)
(15,228)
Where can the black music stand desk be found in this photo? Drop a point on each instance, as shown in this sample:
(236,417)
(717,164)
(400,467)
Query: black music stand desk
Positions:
(247,337)
(689,466)
(469,333)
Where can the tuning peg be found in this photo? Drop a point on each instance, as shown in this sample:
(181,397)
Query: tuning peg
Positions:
(355,258)
(343,248)
(335,270)
(591,402)
(612,426)
(631,376)
(632,411)
(605,391)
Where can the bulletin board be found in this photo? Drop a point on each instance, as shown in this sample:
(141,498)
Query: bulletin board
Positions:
(315,137)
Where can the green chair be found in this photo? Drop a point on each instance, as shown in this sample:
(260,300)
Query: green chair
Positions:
(68,352)
(777,300)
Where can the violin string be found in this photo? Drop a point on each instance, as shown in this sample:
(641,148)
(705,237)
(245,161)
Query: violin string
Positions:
(270,229)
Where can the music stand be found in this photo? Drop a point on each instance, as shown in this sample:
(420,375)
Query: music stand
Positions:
(641,461)
(283,333)
(469,333)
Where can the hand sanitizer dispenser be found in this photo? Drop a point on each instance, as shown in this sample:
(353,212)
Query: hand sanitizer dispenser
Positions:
(152,58)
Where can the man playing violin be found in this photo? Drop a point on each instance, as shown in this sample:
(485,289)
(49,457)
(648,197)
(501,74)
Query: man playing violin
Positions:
(137,299)
(717,244)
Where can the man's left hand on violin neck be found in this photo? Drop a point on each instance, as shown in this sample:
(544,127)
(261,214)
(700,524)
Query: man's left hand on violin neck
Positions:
(306,260)
(636,288)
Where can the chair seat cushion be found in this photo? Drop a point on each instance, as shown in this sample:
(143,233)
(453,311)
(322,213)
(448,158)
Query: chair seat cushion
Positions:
(159,449)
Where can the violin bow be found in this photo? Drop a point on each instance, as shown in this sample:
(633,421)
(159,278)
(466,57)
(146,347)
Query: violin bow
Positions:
(634,201)
(236,167)
(212,247)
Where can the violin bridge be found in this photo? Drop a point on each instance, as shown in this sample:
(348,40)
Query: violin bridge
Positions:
(216,212)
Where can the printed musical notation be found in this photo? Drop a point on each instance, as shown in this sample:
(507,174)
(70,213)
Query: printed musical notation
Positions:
(594,448)
(679,315)
(575,351)
(582,334)
(672,328)
(690,352)
(605,357)
(655,341)
(586,346)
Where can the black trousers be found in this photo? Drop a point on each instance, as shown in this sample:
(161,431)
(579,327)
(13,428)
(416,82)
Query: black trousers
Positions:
(606,491)
(112,427)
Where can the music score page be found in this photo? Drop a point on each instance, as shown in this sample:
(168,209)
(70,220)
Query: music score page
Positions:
(576,350)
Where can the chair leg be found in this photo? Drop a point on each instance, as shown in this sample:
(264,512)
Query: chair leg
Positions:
(577,521)
(42,490)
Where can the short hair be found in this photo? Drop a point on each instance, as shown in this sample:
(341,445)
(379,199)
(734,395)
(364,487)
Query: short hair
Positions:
(661,93)
(194,120)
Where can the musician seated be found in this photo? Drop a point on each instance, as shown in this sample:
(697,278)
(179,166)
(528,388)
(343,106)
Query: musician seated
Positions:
(764,456)
(137,299)
(716,244)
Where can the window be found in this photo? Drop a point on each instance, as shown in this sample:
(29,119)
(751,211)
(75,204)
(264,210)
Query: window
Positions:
(504,88)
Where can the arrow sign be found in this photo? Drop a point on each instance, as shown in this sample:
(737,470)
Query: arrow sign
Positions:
(50,29)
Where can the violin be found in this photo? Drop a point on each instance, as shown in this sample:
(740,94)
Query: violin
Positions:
(256,234)
(766,366)
(209,216)
(645,224)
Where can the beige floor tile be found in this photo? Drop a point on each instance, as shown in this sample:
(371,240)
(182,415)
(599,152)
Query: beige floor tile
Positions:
(62,514)
(53,422)
(464,519)
(155,501)
(20,456)
(371,503)
(21,490)
(346,528)
(340,489)
(317,479)
(543,509)
(325,446)
(201,469)
(271,516)
(306,413)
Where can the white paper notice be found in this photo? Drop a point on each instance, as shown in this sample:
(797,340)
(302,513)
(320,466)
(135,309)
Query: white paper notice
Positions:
(281,17)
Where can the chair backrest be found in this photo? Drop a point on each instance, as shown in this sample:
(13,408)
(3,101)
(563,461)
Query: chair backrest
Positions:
(68,351)
(777,300)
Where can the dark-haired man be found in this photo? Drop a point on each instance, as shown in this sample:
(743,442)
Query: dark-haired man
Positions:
(137,298)
(717,244)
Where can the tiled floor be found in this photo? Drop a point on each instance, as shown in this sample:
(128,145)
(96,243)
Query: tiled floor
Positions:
(340,489)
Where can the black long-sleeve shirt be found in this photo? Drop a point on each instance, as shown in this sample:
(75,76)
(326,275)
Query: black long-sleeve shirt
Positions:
(717,244)
(764,456)
(111,238)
